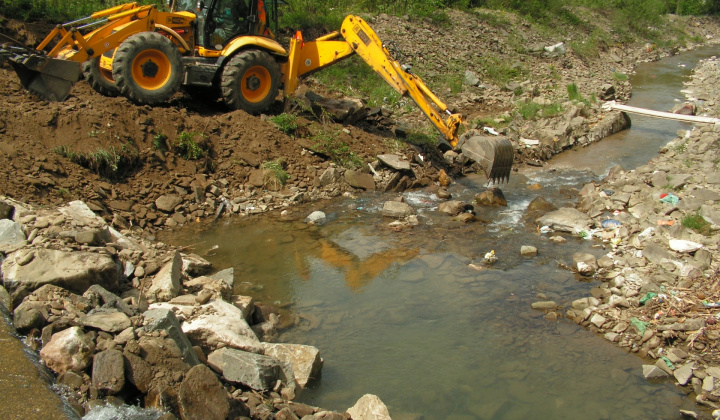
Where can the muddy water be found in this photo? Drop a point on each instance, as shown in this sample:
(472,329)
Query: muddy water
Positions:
(403,316)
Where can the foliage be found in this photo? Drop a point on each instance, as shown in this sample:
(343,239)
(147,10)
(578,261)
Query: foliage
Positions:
(330,145)
(188,148)
(109,163)
(697,223)
(531,110)
(277,169)
(58,10)
(160,142)
(575,95)
(352,76)
(287,123)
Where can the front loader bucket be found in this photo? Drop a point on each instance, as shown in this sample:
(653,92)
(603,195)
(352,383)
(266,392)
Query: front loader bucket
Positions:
(494,154)
(47,78)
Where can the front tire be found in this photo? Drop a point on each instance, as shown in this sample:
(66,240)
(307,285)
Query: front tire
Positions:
(148,68)
(250,81)
(99,79)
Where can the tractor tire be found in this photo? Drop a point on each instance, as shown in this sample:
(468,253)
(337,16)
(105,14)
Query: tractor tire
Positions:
(250,81)
(148,68)
(99,79)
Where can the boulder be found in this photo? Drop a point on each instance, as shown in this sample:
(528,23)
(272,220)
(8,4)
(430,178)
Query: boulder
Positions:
(492,197)
(166,283)
(528,251)
(317,217)
(397,209)
(454,207)
(167,203)
(361,180)
(108,371)
(227,275)
(195,265)
(111,321)
(395,162)
(162,319)
(138,372)
(74,271)
(12,236)
(219,322)
(213,287)
(305,360)
(201,396)
(369,407)
(256,371)
(69,349)
(329,176)
(584,263)
(566,220)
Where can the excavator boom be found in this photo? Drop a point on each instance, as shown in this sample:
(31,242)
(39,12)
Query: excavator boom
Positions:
(495,155)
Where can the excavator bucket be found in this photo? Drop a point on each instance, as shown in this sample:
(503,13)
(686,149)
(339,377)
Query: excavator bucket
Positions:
(494,154)
(47,78)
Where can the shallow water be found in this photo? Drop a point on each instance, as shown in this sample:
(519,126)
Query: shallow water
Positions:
(403,316)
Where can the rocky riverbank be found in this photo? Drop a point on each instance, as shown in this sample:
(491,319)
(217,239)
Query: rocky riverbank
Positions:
(120,320)
(660,225)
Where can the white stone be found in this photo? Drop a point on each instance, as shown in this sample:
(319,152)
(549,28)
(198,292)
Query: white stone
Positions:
(598,320)
(681,245)
(305,360)
(166,283)
(369,407)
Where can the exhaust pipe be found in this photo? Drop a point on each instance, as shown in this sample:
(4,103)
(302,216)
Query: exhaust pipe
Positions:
(47,78)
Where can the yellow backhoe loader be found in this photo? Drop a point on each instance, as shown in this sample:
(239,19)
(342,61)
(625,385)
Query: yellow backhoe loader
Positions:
(146,55)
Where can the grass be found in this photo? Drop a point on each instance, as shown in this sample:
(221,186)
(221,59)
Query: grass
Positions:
(697,223)
(328,144)
(57,10)
(353,77)
(279,175)
(112,163)
(531,110)
(187,147)
(287,123)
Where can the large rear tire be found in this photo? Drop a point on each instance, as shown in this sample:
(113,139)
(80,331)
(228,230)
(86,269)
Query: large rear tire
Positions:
(148,68)
(250,81)
(99,79)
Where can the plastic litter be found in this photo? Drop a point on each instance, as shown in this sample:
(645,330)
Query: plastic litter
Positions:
(610,224)
(711,304)
(669,198)
(546,229)
(665,222)
(668,362)
(647,297)
(641,326)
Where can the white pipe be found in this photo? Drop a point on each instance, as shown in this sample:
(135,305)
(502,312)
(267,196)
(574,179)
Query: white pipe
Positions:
(608,106)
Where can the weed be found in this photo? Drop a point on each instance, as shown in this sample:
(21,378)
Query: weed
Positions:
(353,77)
(697,223)
(188,148)
(531,110)
(279,174)
(619,77)
(337,150)
(422,137)
(287,123)
(160,142)
(681,148)
(575,95)
(110,163)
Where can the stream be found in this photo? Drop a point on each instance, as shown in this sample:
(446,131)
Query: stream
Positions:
(401,314)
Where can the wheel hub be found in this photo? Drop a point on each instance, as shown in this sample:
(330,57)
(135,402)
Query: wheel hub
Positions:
(252,83)
(150,69)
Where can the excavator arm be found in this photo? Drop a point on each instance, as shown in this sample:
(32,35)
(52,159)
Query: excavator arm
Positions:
(495,155)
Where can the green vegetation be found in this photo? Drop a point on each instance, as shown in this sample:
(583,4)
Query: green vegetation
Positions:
(160,142)
(352,76)
(110,163)
(696,223)
(329,144)
(287,123)
(531,110)
(58,10)
(188,148)
(278,173)
(575,95)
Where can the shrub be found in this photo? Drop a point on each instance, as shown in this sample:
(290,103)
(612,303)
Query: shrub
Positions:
(188,148)
(697,223)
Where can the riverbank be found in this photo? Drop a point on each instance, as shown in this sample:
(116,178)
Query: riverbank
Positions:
(659,224)
(170,191)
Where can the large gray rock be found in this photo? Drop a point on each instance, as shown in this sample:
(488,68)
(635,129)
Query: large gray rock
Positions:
(69,349)
(162,319)
(107,320)
(395,162)
(655,253)
(166,283)
(227,276)
(195,265)
(81,214)
(256,371)
(397,209)
(108,371)
(167,203)
(492,197)
(329,176)
(201,396)
(566,220)
(305,360)
(75,271)
(218,322)
(369,407)
(12,236)
(360,180)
